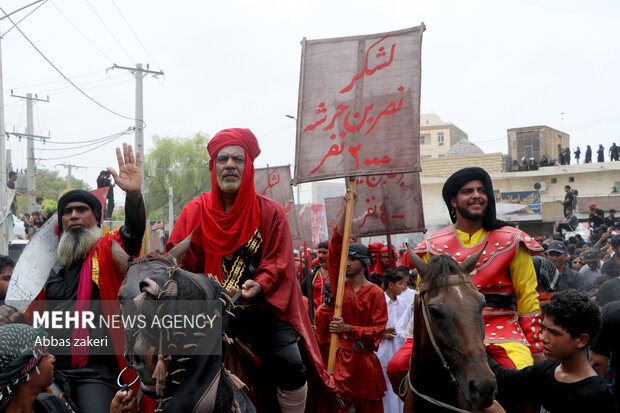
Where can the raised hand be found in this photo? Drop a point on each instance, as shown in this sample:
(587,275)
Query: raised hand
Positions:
(129,178)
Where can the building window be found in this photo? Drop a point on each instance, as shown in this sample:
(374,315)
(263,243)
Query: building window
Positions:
(425,139)
(528,145)
(554,180)
(571,179)
(440,138)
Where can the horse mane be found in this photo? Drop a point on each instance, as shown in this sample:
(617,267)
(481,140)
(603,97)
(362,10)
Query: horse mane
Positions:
(440,267)
(152,256)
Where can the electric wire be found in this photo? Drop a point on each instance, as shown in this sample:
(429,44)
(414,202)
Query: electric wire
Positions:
(65,77)
(56,81)
(82,33)
(67,91)
(86,151)
(135,35)
(110,31)
(86,143)
(23,18)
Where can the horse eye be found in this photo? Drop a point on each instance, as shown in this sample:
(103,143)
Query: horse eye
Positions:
(435,312)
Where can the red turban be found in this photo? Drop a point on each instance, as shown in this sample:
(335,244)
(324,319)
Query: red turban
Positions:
(222,232)
(236,136)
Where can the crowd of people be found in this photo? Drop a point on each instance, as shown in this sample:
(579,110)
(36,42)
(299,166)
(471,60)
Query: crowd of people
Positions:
(564,158)
(548,290)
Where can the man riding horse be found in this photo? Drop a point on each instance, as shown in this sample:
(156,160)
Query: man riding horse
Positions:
(505,274)
(244,239)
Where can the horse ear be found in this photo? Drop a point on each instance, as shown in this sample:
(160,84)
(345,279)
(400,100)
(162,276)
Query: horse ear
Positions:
(470,263)
(179,250)
(120,256)
(417,262)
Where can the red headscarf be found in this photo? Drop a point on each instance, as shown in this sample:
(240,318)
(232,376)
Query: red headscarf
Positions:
(221,232)
(379,268)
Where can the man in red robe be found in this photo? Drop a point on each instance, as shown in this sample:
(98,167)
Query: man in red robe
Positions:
(244,240)
(357,371)
(314,287)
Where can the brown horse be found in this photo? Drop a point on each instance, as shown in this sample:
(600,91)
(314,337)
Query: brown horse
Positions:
(448,366)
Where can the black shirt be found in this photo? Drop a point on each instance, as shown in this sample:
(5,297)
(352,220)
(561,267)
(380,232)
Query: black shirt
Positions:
(607,342)
(62,285)
(537,384)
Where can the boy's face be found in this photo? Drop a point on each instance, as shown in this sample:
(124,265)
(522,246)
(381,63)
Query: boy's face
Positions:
(398,287)
(557,343)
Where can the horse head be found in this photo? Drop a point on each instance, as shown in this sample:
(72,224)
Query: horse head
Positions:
(175,340)
(449,328)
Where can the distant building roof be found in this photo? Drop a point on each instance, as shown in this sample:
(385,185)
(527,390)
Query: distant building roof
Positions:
(464,148)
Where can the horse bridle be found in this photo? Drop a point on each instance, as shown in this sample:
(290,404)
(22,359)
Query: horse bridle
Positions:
(423,287)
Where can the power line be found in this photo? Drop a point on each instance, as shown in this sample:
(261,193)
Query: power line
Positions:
(23,18)
(109,31)
(134,33)
(89,150)
(67,90)
(82,33)
(85,144)
(56,81)
(63,75)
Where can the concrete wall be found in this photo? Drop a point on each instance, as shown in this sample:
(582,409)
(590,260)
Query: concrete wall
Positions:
(549,139)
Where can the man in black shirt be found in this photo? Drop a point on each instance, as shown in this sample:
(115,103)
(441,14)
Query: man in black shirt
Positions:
(596,216)
(84,276)
(11,185)
(565,382)
(569,198)
(556,253)
(611,219)
(607,344)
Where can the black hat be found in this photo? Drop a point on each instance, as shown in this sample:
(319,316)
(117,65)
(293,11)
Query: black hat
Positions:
(360,252)
(591,255)
(79,195)
(456,181)
(557,246)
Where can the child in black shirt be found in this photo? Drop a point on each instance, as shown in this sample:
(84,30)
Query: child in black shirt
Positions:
(565,382)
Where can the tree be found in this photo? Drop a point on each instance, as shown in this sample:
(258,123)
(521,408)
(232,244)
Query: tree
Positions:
(49,187)
(180,163)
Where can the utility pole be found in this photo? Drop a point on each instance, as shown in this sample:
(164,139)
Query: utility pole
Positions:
(139,73)
(69,166)
(170,210)
(31,186)
(4,225)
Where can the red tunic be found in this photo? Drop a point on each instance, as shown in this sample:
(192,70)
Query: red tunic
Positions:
(318,287)
(358,372)
(275,274)
(322,317)
(492,276)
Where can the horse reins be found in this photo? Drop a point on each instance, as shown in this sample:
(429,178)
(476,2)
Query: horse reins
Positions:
(453,279)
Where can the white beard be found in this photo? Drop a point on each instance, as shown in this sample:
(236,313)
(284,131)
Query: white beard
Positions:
(75,244)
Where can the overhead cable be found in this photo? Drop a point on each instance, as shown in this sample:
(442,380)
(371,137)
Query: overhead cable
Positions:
(64,76)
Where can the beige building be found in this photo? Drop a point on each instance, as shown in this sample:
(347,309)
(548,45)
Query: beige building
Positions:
(437,136)
(536,141)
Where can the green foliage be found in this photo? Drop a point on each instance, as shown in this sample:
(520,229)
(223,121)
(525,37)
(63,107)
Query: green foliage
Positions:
(48,207)
(180,163)
(49,187)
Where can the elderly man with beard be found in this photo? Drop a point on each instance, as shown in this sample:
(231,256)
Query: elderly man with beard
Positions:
(244,240)
(505,273)
(84,276)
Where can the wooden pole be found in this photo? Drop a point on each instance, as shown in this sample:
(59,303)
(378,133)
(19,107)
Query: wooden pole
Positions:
(344,256)
(389,245)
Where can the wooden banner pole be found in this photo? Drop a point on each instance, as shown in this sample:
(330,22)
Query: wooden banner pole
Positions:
(342,273)
(389,245)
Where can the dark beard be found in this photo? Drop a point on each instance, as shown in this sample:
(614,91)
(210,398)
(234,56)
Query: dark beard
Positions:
(467,215)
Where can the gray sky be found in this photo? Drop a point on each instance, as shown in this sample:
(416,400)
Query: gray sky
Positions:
(486,66)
